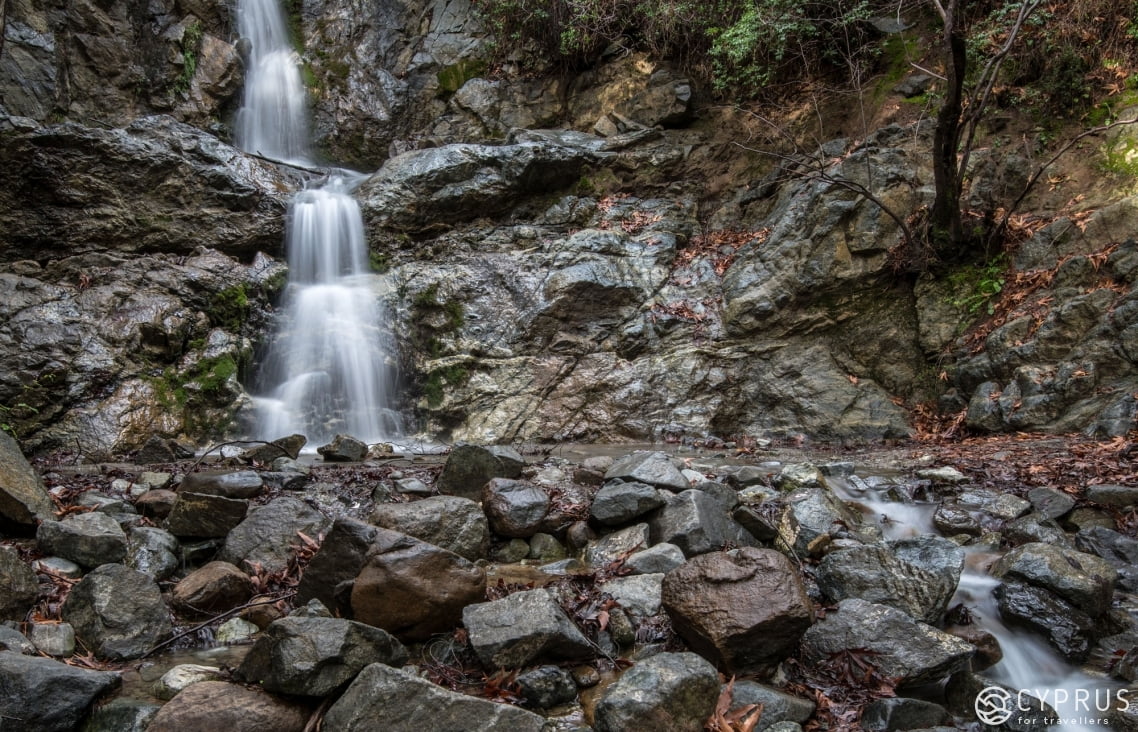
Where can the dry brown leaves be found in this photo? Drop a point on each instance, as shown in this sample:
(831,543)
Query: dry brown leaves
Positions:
(840,686)
(723,719)
(719,246)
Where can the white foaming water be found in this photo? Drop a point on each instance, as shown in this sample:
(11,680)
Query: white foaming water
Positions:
(272,120)
(328,363)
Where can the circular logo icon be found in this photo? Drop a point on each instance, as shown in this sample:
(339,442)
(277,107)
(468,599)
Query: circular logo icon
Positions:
(994,705)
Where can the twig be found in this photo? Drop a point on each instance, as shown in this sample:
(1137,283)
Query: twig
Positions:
(317,717)
(214,619)
(235,442)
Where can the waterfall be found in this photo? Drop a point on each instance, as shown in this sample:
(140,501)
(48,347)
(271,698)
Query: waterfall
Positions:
(326,369)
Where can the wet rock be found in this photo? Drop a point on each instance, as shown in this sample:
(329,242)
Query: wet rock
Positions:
(619,503)
(899,713)
(153,552)
(810,515)
(1084,580)
(778,706)
(316,656)
(178,678)
(217,705)
(469,467)
(15,641)
(19,586)
(697,523)
(393,700)
(951,520)
(988,651)
(546,548)
(800,475)
(521,628)
(658,559)
(744,609)
(340,558)
(289,447)
(1113,495)
(653,468)
(639,594)
(1034,528)
(88,539)
(876,574)
(1050,502)
(1071,631)
(269,532)
(546,686)
(413,589)
(199,516)
(413,487)
(669,692)
(117,613)
(1120,550)
(227,483)
(453,523)
(617,545)
(121,715)
(239,630)
(943,476)
(23,499)
(513,551)
(42,695)
(156,504)
(515,508)
(54,639)
(903,648)
(216,587)
(343,449)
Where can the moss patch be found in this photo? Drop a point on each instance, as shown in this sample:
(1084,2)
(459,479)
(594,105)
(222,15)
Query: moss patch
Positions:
(454,76)
(229,308)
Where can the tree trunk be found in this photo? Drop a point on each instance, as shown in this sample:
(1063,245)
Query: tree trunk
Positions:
(945,229)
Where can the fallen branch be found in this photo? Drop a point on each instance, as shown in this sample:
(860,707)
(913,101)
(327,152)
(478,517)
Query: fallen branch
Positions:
(284,452)
(214,619)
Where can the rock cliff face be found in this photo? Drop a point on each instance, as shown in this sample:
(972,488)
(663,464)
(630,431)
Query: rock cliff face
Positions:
(572,284)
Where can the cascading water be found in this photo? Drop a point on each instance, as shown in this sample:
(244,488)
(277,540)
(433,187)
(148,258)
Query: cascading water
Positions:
(326,370)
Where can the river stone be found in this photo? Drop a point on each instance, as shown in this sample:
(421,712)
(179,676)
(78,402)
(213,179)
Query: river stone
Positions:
(697,523)
(1071,631)
(227,483)
(778,706)
(23,499)
(905,649)
(515,508)
(810,514)
(54,639)
(546,686)
(1119,496)
(218,705)
(661,559)
(289,447)
(200,516)
(88,539)
(181,676)
(413,589)
(152,551)
(336,564)
(799,475)
(315,656)
(521,628)
(42,695)
(239,630)
(638,594)
(15,641)
(617,545)
(268,534)
(1035,528)
(19,586)
(1084,580)
(453,523)
(343,449)
(951,519)
(744,609)
(669,692)
(943,476)
(875,574)
(121,715)
(117,612)
(988,650)
(1050,502)
(654,468)
(619,503)
(1120,550)
(386,699)
(156,503)
(216,587)
(469,467)
(899,713)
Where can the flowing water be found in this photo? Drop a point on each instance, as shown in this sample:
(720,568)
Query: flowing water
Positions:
(327,370)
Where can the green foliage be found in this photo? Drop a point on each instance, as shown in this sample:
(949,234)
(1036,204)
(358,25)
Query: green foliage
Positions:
(433,388)
(454,76)
(976,286)
(191,47)
(9,415)
(380,262)
(229,308)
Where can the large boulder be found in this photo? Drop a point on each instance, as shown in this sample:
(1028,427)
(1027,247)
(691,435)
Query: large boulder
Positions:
(453,523)
(23,499)
(88,539)
(385,699)
(340,558)
(42,695)
(204,516)
(315,656)
(811,515)
(218,705)
(654,468)
(268,535)
(669,692)
(619,503)
(153,551)
(1070,630)
(744,609)
(697,523)
(521,628)
(228,483)
(469,467)
(413,589)
(515,508)
(1083,580)
(117,612)
(216,587)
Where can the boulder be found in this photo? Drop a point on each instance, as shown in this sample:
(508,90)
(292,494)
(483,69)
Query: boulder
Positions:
(639,594)
(744,609)
(697,523)
(343,449)
(469,467)
(669,692)
(315,656)
(54,639)
(88,539)
(1070,630)
(1050,502)
(653,468)
(1118,496)
(214,588)
(413,589)
(23,499)
(386,699)
(453,523)
(876,574)
(268,535)
(521,628)
(42,695)
(340,558)
(227,483)
(174,681)
(1083,580)
(658,559)
(289,447)
(121,715)
(546,686)
(117,612)
(778,706)
(618,503)
(201,516)
(19,586)
(152,551)
(156,503)
(515,508)
(218,705)
(903,648)
(899,713)
(810,515)
(617,545)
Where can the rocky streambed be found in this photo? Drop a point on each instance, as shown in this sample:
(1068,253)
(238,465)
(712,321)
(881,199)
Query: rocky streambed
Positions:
(733,586)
